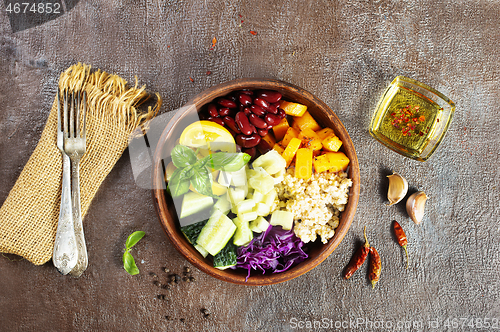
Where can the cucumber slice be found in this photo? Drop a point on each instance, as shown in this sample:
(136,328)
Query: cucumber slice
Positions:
(243,234)
(258,197)
(270,197)
(216,233)
(202,251)
(222,205)
(193,203)
(259,225)
(191,232)
(283,219)
(226,257)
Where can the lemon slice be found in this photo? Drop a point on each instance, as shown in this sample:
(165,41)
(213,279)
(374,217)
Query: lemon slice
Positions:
(208,135)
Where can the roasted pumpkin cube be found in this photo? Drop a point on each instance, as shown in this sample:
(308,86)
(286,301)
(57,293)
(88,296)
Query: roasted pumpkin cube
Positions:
(280,129)
(331,161)
(290,133)
(293,109)
(331,143)
(310,139)
(325,132)
(303,163)
(266,143)
(306,121)
(278,148)
(291,150)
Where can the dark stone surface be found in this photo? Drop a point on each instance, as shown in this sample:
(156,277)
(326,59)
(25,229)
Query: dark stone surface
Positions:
(345,53)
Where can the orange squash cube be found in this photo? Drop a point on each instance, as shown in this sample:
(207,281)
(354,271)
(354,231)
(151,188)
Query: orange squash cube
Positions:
(306,121)
(280,129)
(331,143)
(278,148)
(331,161)
(293,109)
(266,143)
(290,133)
(325,132)
(310,139)
(303,163)
(291,150)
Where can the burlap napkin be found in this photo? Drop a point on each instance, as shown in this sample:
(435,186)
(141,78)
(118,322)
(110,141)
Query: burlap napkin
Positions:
(29,215)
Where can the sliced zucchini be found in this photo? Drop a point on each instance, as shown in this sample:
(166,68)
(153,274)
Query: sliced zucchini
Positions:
(283,219)
(193,203)
(226,257)
(243,234)
(216,233)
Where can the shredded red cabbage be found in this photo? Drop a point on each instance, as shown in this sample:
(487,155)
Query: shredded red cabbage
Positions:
(275,249)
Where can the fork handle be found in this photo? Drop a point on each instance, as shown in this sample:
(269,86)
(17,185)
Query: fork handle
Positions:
(65,254)
(77,218)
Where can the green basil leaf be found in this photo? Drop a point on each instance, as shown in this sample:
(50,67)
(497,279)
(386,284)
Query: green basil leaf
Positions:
(179,182)
(229,162)
(202,181)
(134,238)
(129,264)
(182,156)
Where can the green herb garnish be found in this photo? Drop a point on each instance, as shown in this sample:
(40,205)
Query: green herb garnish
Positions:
(128,259)
(190,170)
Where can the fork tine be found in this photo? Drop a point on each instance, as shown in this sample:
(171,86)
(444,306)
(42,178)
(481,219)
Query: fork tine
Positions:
(84,113)
(65,115)
(59,127)
(72,116)
(77,115)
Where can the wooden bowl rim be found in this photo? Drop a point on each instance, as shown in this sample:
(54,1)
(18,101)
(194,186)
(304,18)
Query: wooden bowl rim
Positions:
(176,238)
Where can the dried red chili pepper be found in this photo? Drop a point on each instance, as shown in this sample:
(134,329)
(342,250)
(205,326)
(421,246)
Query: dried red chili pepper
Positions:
(358,259)
(375,266)
(401,236)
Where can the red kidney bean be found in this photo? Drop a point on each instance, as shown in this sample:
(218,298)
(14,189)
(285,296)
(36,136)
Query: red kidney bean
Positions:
(257,110)
(251,151)
(247,92)
(244,99)
(216,120)
(269,95)
(257,122)
(269,127)
(281,113)
(229,121)
(254,130)
(262,103)
(243,123)
(248,141)
(272,119)
(247,111)
(203,116)
(212,110)
(224,111)
(262,132)
(273,108)
(227,103)
(240,107)
(231,131)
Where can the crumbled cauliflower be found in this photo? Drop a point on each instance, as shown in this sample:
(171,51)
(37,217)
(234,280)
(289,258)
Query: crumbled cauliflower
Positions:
(316,203)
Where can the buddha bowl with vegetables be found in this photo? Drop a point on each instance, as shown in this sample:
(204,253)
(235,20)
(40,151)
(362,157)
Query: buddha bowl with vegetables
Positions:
(219,173)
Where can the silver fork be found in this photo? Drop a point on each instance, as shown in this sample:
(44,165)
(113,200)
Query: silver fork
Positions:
(75,147)
(65,255)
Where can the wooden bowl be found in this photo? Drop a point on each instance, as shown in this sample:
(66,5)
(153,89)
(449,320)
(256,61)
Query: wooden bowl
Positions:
(165,208)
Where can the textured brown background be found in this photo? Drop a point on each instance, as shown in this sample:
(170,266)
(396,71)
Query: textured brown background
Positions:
(345,53)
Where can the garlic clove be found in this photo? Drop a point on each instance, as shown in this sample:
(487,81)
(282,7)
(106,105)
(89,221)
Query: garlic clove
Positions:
(398,187)
(415,206)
